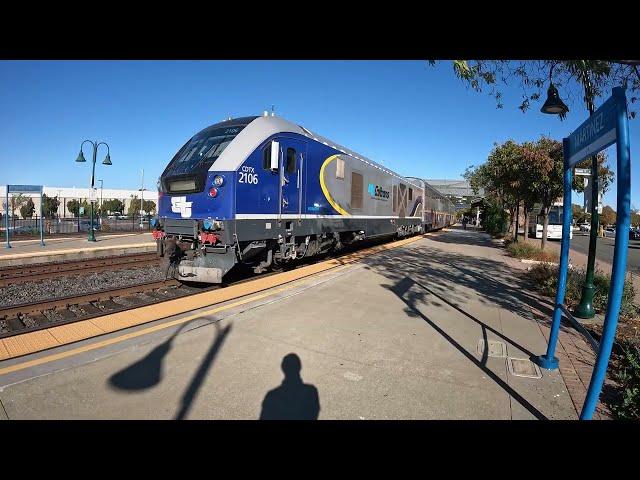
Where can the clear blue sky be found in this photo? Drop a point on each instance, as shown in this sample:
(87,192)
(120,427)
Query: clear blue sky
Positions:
(417,119)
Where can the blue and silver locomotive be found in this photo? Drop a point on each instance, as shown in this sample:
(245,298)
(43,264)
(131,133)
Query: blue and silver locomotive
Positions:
(262,191)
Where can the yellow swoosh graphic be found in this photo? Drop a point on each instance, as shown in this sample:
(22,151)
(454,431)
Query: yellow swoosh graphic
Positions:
(327,195)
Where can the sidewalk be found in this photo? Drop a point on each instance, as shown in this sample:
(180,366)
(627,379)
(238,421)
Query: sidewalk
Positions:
(398,335)
(575,355)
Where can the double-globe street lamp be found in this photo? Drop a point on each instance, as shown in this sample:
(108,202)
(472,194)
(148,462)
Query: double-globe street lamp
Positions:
(106,161)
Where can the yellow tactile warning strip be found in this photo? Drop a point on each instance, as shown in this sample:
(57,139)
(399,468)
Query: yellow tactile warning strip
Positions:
(155,328)
(75,250)
(32,342)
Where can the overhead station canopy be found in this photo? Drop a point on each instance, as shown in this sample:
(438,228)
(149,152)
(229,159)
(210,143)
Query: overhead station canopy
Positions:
(457,188)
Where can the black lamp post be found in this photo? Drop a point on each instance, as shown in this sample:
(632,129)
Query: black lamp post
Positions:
(585,307)
(106,161)
(554,105)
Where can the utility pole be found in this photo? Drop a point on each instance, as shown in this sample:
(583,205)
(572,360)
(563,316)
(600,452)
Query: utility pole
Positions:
(100,197)
(141,197)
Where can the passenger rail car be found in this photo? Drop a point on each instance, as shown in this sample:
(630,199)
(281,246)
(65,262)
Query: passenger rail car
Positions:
(262,191)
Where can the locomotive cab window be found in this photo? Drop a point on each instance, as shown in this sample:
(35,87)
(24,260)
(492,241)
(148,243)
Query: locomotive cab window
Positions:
(266,157)
(199,153)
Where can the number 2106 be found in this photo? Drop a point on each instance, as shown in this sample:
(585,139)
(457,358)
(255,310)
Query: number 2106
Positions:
(248,178)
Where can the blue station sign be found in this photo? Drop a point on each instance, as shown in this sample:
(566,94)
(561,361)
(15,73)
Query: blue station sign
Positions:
(595,134)
(24,188)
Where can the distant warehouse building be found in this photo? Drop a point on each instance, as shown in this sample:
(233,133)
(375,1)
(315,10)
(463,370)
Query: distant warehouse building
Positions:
(66,194)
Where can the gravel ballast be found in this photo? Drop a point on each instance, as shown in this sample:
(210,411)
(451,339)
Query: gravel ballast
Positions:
(50,289)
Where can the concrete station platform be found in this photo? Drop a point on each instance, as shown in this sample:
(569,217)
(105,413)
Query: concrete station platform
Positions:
(393,335)
(28,252)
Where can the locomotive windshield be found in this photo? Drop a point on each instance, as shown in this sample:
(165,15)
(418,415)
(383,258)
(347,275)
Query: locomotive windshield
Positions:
(199,153)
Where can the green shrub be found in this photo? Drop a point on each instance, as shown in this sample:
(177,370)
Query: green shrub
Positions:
(530,251)
(494,220)
(627,374)
(545,277)
(521,250)
(602,282)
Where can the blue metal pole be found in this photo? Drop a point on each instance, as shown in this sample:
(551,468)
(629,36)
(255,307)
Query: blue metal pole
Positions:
(6,218)
(549,361)
(41,219)
(619,257)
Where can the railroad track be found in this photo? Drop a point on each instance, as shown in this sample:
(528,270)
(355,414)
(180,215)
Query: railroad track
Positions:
(42,271)
(30,317)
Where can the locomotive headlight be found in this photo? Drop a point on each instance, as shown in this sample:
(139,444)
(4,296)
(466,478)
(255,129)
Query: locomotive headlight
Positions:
(213,192)
(218,181)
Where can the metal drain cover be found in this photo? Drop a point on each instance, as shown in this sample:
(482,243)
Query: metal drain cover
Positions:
(496,349)
(523,367)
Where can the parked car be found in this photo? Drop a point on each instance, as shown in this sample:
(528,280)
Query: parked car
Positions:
(585,227)
(634,234)
(610,232)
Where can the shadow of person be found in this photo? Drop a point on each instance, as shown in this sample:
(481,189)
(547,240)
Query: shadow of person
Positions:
(293,399)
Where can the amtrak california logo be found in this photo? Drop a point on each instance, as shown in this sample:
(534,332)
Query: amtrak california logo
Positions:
(377,192)
(181,206)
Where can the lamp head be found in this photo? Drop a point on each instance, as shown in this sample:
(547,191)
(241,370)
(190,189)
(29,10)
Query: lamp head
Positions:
(554,105)
(80,157)
(107,160)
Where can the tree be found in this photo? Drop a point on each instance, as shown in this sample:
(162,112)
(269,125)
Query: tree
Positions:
(74,206)
(605,174)
(578,213)
(27,209)
(635,216)
(148,206)
(533,76)
(50,205)
(112,206)
(134,205)
(545,158)
(608,216)
(17,201)
(501,177)
(493,218)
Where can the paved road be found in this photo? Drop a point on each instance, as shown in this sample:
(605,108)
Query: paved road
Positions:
(604,251)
